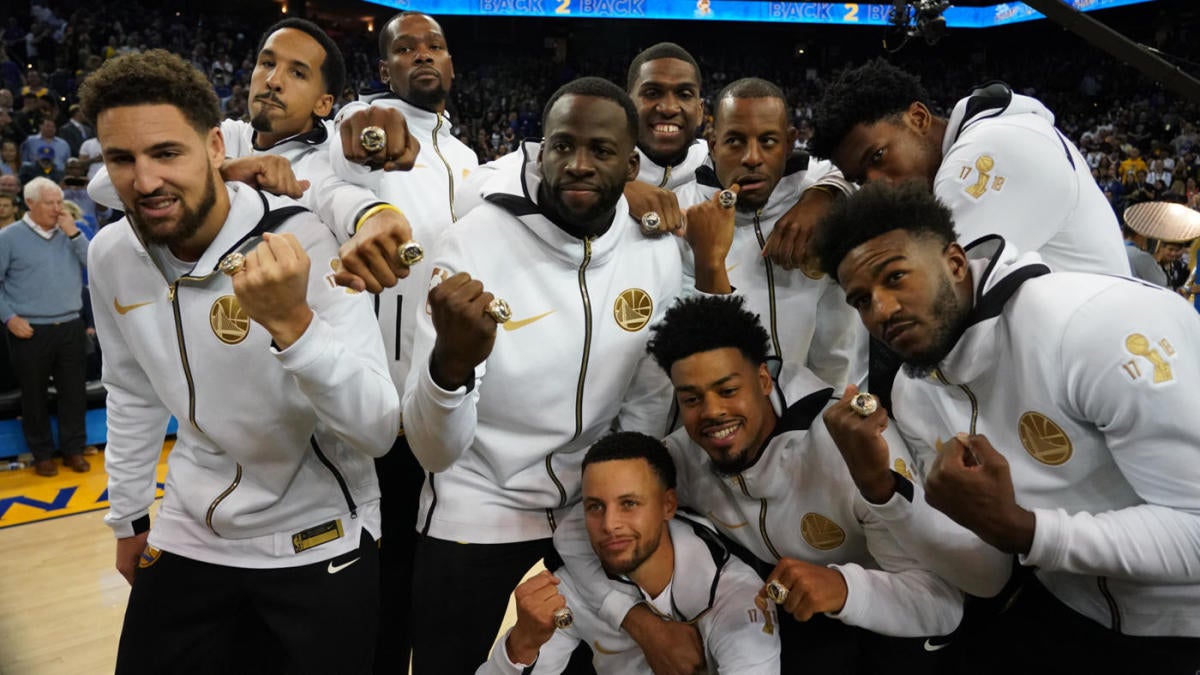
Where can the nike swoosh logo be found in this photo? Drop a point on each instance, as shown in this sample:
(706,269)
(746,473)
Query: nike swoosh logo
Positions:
(125,309)
(513,324)
(931,647)
(334,569)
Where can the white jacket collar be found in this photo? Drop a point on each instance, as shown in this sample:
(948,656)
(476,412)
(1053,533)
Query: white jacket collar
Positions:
(681,173)
(783,197)
(998,270)
(994,99)
(699,559)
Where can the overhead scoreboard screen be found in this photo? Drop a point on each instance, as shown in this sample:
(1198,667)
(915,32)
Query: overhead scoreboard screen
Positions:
(842,13)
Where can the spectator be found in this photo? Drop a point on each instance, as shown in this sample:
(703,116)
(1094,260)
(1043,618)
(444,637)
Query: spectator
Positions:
(44,166)
(10,158)
(41,295)
(76,130)
(9,210)
(31,149)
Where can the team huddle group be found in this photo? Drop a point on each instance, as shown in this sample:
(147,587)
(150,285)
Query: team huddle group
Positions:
(641,358)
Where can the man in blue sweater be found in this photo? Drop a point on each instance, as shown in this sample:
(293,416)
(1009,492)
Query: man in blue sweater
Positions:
(41,293)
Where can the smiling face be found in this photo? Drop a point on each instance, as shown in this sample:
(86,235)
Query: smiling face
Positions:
(165,172)
(667,96)
(914,294)
(286,86)
(417,66)
(751,143)
(895,149)
(586,159)
(626,510)
(725,405)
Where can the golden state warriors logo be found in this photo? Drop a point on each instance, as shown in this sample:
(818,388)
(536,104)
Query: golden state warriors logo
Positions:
(1044,440)
(633,309)
(149,557)
(901,467)
(820,532)
(228,320)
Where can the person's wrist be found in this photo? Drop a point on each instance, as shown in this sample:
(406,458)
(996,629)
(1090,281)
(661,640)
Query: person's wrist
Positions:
(879,487)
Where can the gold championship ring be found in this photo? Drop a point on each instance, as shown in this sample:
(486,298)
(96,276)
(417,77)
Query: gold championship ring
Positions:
(563,618)
(232,263)
(727,199)
(373,139)
(499,310)
(650,221)
(777,592)
(410,253)
(864,404)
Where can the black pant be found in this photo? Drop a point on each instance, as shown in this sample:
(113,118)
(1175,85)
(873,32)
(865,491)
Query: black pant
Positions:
(825,645)
(400,481)
(58,350)
(186,616)
(1037,634)
(460,593)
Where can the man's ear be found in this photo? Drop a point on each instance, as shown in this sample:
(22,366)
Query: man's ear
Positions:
(765,383)
(384,76)
(670,504)
(323,106)
(956,261)
(216,146)
(918,117)
(635,164)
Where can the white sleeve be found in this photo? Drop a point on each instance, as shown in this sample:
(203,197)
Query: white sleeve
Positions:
(552,658)
(439,424)
(613,598)
(336,201)
(1026,194)
(822,172)
(344,168)
(339,362)
(838,354)
(137,419)
(1149,426)
(943,546)
(902,599)
(741,638)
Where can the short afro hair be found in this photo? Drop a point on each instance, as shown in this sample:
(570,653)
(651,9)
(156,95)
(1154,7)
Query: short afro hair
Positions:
(154,77)
(633,445)
(705,323)
(747,87)
(864,95)
(662,50)
(599,88)
(333,70)
(875,210)
(385,37)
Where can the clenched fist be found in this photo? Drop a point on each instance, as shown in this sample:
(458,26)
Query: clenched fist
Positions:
(272,287)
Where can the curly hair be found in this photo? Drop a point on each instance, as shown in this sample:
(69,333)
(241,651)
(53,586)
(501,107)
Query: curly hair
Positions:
(152,77)
(864,95)
(704,323)
(662,50)
(876,209)
(633,445)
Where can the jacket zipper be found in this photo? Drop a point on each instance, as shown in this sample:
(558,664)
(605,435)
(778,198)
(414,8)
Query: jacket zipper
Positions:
(1113,609)
(237,479)
(587,351)
(337,476)
(937,373)
(666,177)
(762,517)
(173,296)
(449,171)
(770,284)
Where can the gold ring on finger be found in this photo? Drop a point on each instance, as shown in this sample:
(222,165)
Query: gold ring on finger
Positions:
(777,592)
(410,253)
(864,404)
(499,310)
(727,199)
(563,618)
(373,139)
(650,222)
(233,263)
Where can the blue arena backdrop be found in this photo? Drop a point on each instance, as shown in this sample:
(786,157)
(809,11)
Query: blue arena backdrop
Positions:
(841,13)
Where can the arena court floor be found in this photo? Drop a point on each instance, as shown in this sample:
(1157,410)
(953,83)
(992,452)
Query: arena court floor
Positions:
(61,599)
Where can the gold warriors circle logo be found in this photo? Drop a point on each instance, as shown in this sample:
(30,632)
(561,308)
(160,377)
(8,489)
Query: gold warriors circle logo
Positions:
(228,320)
(1044,440)
(633,309)
(820,532)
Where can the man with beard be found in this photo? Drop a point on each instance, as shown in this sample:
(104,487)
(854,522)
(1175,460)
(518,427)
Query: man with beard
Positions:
(501,420)
(1055,413)
(755,458)
(676,564)
(808,321)
(213,305)
(415,64)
